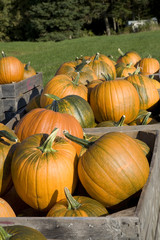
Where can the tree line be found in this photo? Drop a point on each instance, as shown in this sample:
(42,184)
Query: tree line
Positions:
(45,20)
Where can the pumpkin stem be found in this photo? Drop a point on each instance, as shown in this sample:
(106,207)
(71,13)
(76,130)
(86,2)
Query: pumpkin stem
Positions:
(96,56)
(79,67)
(3,54)
(145,119)
(80,141)
(9,136)
(76,80)
(129,65)
(4,235)
(120,122)
(26,67)
(52,96)
(137,71)
(72,203)
(47,145)
(120,51)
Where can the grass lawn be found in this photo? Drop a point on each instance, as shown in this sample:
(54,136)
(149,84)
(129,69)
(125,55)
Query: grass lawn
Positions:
(46,57)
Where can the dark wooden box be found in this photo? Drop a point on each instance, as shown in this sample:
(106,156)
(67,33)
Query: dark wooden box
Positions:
(15,96)
(136,222)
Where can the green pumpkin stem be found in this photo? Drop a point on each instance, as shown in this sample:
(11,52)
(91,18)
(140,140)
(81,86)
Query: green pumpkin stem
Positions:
(145,119)
(52,96)
(47,145)
(26,67)
(137,71)
(80,66)
(76,79)
(120,52)
(3,54)
(9,136)
(72,203)
(80,141)
(96,56)
(120,122)
(4,235)
(129,65)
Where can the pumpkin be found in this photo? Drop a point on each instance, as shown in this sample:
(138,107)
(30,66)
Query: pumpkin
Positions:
(149,65)
(77,206)
(112,99)
(123,70)
(33,103)
(44,120)
(148,94)
(5,209)
(111,123)
(29,71)
(61,86)
(8,143)
(156,83)
(100,67)
(71,69)
(41,167)
(20,232)
(143,118)
(75,106)
(129,57)
(145,148)
(113,168)
(11,69)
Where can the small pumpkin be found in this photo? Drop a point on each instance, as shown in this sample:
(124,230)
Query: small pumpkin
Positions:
(20,232)
(111,123)
(128,57)
(5,209)
(11,69)
(123,70)
(41,167)
(29,71)
(75,106)
(77,206)
(61,86)
(149,65)
(122,168)
(143,118)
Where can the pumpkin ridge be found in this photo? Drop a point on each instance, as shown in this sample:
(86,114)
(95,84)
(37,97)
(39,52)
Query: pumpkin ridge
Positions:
(93,183)
(122,190)
(120,142)
(93,156)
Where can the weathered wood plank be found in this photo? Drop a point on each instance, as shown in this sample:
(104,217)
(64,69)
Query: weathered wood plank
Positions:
(16,89)
(157,236)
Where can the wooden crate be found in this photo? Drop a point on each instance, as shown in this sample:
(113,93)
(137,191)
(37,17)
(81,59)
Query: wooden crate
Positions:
(136,222)
(15,96)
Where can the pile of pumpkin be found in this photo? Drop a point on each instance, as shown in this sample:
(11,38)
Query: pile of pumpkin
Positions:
(46,159)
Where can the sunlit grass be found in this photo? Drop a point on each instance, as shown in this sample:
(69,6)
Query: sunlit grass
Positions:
(46,57)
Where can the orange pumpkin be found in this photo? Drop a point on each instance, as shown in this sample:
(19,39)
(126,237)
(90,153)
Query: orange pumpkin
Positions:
(5,209)
(61,86)
(77,206)
(129,57)
(29,71)
(149,65)
(123,70)
(112,99)
(42,166)
(113,168)
(11,69)
(44,120)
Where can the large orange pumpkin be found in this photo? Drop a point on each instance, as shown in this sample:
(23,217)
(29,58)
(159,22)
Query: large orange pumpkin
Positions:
(113,168)
(149,65)
(112,99)
(5,209)
(129,57)
(61,86)
(11,69)
(42,120)
(41,167)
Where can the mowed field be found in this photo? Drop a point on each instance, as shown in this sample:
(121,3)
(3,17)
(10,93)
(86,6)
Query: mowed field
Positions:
(46,57)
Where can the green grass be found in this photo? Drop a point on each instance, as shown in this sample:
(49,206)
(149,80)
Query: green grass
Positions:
(46,57)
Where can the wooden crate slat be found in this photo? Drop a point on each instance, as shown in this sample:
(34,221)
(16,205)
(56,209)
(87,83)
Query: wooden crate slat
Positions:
(15,89)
